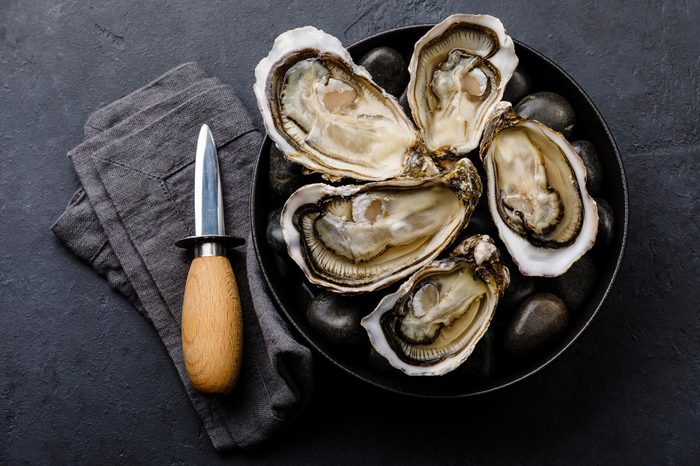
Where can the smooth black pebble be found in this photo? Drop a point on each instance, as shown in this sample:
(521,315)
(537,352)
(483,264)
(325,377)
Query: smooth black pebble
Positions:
(539,320)
(606,223)
(303,293)
(594,170)
(520,286)
(285,266)
(336,319)
(518,86)
(388,69)
(273,233)
(550,109)
(403,101)
(519,289)
(480,223)
(576,285)
(285,177)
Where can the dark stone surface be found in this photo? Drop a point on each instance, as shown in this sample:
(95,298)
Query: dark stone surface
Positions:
(336,319)
(273,233)
(388,69)
(480,223)
(576,284)
(594,171)
(539,320)
(520,287)
(518,86)
(403,101)
(285,176)
(606,223)
(84,378)
(549,108)
(287,268)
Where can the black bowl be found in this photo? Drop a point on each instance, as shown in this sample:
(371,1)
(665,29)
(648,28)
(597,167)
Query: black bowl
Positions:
(290,292)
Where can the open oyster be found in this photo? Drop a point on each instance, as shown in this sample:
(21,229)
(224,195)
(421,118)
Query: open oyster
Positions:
(359,238)
(324,112)
(459,70)
(433,322)
(537,194)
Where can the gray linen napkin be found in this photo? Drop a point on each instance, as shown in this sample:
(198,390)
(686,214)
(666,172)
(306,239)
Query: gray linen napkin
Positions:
(136,167)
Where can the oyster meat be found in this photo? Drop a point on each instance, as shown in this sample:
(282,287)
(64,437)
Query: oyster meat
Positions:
(359,238)
(459,70)
(433,322)
(537,193)
(324,112)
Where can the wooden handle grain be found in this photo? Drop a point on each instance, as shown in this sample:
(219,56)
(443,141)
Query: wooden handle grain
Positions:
(212,325)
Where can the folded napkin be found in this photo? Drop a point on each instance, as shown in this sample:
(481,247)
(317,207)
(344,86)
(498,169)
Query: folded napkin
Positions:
(136,167)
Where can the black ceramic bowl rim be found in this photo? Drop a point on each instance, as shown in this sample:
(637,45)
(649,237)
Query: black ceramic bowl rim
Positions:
(310,339)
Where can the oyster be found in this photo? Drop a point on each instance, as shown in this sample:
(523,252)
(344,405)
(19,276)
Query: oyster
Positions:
(324,112)
(433,322)
(537,194)
(459,70)
(359,238)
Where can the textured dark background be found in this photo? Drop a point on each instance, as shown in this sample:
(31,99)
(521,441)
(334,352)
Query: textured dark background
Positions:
(83,377)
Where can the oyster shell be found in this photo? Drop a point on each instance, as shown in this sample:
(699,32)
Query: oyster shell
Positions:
(433,322)
(360,238)
(324,112)
(459,70)
(537,194)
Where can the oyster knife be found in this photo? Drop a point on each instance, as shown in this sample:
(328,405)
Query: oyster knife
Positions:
(212,327)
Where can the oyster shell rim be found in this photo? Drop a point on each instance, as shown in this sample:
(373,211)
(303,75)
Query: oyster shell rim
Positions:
(293,240)
(521,250)
(499,59)
(464,252)
(317,42)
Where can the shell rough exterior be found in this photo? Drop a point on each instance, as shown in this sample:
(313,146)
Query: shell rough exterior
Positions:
(432,323)
(359,238)
(547,219)
(324,112)
(459,70)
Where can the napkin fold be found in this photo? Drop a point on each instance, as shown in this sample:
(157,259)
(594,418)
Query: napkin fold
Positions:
(136,167)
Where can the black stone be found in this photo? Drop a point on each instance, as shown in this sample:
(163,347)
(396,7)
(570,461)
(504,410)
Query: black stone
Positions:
(520,288)
(481,364)
(518,86)
(594,170)
(606,223)
(550,109)
(285,267)
(285,177)
(388,69)
(480,223)
(403,101)
(273,233)
(336,319)
(577,283)
(538,321)
(304,292)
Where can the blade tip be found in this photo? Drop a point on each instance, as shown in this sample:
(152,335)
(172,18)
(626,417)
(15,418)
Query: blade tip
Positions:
(204,130)
(206,134)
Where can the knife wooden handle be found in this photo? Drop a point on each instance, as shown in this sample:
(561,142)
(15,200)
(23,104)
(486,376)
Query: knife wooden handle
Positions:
(212,325)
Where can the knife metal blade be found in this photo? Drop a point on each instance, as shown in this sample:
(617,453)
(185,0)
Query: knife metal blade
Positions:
(210,232)
(208,201)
